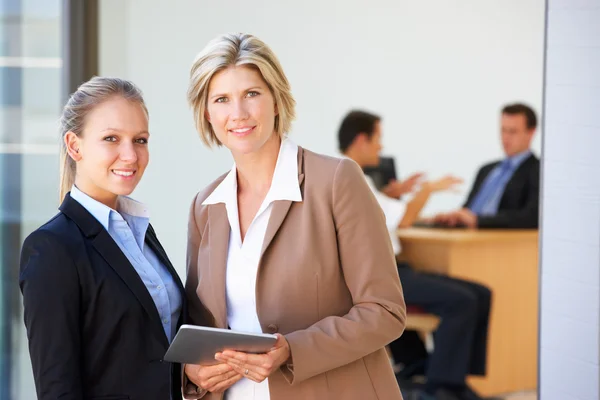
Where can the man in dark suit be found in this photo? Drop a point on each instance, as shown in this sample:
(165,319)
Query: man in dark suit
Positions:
(506,192)
(505,195)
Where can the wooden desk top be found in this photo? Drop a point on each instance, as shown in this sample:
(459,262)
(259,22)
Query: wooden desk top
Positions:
(466,235)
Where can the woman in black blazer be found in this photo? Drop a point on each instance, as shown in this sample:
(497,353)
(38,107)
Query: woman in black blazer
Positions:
(102,301)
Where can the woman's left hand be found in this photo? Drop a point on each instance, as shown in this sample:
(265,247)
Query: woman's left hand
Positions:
(257,367)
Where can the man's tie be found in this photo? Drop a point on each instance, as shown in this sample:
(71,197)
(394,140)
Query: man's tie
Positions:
(489,187)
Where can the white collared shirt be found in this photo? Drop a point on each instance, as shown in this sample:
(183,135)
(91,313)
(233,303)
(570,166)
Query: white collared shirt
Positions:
(127,225)
(243,258)
(393,209)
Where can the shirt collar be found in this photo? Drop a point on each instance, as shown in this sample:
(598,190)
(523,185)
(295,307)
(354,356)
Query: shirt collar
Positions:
(284,185)
(518,159)
(125,205)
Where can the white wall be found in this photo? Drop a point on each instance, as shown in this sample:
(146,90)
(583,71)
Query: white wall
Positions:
(570,303)
(437,71)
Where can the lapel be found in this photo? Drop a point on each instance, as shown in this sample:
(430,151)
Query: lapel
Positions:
(153,242)
(219,232)
(112,254)
(514,182)
(280,208)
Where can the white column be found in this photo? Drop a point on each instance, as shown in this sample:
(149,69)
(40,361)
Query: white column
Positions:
(570,240)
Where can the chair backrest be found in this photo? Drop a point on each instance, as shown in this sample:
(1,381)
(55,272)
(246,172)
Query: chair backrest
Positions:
(383,173)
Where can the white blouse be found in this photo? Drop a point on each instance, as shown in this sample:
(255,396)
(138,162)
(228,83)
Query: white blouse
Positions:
(393,209)
(243,258)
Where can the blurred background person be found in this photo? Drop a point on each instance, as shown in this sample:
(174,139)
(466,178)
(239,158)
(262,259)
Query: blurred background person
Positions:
(461,339)
(506,193)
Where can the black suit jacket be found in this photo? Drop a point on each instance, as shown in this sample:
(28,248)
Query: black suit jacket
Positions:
(519,205)
(93,329)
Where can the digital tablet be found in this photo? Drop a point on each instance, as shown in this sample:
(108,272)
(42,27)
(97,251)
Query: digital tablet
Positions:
(199,344)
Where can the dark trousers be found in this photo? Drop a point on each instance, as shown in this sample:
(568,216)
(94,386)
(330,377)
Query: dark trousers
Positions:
(460,342)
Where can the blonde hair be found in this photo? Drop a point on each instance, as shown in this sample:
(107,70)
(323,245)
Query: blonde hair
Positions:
(236,49)
(87,96)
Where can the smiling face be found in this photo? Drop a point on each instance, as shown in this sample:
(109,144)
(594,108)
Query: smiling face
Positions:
(241,110)
(111,154)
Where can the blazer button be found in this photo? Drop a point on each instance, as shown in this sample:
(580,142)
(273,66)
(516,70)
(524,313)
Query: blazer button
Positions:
(272,328)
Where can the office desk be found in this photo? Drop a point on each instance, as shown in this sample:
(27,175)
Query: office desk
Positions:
(506,262)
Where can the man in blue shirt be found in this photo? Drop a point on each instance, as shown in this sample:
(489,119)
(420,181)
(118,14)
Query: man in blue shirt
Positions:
(506,192)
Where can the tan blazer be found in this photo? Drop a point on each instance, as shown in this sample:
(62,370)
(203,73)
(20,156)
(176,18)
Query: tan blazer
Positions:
(327,280)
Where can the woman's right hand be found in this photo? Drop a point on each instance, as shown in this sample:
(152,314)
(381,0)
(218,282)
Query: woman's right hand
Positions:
(214,378)
(448,182)
(397,189)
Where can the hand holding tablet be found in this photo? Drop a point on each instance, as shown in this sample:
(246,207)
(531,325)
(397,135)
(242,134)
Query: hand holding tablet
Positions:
(258,367)
(199,344)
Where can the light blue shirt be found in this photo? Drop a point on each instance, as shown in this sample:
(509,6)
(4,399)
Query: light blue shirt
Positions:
(128,228)
(487,200)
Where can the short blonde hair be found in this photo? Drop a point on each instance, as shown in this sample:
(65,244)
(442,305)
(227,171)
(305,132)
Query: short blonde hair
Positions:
(236,49)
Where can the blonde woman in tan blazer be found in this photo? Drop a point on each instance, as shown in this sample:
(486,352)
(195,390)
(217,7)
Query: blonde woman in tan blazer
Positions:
(288,242)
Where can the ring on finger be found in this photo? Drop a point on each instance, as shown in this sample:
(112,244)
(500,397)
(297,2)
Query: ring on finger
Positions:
(246,371)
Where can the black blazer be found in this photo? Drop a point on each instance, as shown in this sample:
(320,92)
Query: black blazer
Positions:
(93,329)
(519,205)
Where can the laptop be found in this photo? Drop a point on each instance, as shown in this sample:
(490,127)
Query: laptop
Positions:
(383,173)
(437,225)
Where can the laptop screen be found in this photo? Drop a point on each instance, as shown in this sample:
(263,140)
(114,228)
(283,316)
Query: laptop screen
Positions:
(383,173)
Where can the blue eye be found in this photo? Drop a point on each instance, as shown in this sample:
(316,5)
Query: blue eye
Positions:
(253,93)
